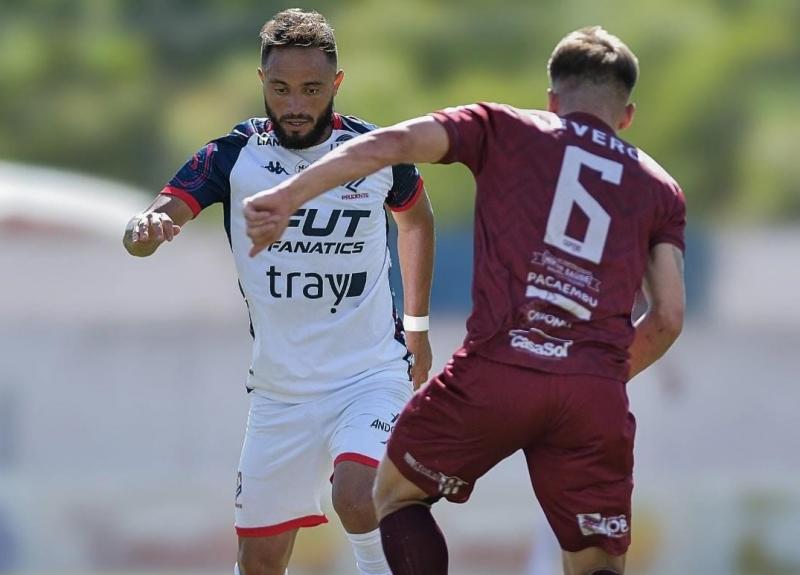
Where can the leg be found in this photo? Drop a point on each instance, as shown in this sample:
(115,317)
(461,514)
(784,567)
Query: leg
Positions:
(352,496)
(412,541)
(266,555)
(362,418)
(582,474)
(352,501)
(282,471)
(593,561)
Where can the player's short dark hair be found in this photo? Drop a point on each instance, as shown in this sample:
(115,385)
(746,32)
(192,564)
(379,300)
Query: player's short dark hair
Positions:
(295,27)
(595,55)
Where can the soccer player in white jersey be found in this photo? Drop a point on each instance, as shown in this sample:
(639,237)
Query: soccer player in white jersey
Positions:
(332,363)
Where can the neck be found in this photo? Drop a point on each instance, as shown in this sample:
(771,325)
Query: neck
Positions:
(606,115)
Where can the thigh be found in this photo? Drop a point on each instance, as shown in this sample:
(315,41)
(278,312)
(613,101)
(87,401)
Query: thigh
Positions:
(363,416)
(463,422)
(582,470)
(283,468)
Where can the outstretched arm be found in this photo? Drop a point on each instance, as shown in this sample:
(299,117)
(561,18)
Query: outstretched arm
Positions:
(421,140)
(160,222)
(661,324)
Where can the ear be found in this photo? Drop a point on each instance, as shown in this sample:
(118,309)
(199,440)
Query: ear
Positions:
(627,118)
(552,101)
(337,80)
(261,74)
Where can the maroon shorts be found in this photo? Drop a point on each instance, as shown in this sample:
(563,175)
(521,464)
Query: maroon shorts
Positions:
(576,432)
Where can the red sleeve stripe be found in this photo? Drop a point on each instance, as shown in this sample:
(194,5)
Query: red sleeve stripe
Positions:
(356,457)
(413,200)
(308,521)
(190,200)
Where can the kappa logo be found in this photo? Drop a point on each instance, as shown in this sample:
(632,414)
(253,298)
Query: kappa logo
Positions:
(275,168)
(595,524)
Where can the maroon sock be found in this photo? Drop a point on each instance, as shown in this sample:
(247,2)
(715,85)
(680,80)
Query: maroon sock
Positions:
(413,543)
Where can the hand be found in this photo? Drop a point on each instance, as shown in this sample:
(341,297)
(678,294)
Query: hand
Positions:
(420,347)
(267,215)
(153,228)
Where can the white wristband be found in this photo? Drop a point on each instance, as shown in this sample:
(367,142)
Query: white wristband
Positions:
(412,323)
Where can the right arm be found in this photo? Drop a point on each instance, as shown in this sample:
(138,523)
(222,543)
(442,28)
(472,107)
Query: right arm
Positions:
(421,140)
(160,222)
(661,324)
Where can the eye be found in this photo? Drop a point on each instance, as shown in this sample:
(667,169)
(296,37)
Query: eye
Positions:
(312,91)
(280,90)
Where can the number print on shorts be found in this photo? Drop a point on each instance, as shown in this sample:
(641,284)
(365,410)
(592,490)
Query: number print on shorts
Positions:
(570,193)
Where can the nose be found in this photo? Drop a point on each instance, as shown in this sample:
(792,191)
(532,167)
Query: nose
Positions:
(294,106)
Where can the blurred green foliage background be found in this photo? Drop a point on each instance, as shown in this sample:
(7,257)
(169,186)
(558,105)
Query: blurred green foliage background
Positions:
(130,89)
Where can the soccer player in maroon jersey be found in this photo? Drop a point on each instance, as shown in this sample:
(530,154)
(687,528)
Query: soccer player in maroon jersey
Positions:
(570,222)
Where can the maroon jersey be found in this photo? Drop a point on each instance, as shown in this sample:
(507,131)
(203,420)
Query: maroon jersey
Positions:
(565,216)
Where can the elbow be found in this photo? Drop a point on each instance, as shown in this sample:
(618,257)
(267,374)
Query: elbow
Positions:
(394,146)
(670,321)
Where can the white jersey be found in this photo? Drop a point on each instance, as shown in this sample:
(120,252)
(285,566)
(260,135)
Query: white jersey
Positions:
(321,309)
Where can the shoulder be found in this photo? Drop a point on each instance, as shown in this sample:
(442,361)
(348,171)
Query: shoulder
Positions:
(241,133)
(352,124)
(504,115)
(657,173)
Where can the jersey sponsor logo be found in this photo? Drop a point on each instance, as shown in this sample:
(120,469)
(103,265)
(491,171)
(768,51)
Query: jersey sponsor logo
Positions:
(352,187)
(301,165)
(274,167)
(312,285)
(448,485)
(566,270)
(536,316)
(268,140)
(306,220)
(596,524)
(552,284)
(327,248)
(312,224)
(540,344)
(387,426)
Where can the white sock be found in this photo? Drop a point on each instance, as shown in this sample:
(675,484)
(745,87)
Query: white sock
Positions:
(237,572)
(369,553)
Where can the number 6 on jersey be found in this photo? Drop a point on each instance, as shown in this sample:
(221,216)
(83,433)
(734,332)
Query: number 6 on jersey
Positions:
(569,191)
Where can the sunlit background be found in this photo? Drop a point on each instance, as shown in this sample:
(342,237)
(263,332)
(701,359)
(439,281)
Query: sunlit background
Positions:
(122,401)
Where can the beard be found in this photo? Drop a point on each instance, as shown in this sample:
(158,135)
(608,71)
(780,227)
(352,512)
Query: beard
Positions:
(298,142)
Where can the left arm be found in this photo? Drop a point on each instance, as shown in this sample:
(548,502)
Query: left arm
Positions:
(415,248)
(421,140)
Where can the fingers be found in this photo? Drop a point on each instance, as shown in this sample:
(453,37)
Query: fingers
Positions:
(419,374)
(154,226)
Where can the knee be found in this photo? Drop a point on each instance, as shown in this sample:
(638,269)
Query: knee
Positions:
(353,503)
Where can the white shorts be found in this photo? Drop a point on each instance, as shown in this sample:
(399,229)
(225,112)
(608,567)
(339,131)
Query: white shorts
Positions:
(290,450)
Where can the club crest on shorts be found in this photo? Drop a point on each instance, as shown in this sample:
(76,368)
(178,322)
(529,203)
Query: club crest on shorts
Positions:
(447,485)
(596,524)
